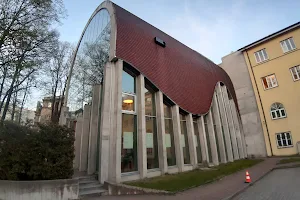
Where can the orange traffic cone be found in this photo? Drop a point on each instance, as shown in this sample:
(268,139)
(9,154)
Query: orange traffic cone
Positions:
(248,179)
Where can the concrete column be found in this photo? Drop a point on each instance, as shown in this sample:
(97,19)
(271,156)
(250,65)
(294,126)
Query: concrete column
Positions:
(85,138)
(142,151)
(230,123)
(162,152)
(212,139)
(243,137)
(115,136)
(191,140)
(94,125)
(237,129)
(63,115)
(202,137)
(177,137)
(106,117)
(224,118)
(78,133)
(219,134)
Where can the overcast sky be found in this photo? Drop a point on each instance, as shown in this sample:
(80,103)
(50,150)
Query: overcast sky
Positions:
(214,28)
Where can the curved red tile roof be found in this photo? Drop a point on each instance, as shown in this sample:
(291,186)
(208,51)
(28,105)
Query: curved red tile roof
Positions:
(182,74)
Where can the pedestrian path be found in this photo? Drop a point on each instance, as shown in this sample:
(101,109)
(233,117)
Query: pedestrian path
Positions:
(219,190)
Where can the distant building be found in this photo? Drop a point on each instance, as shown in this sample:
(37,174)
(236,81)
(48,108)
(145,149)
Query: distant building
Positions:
(44,110)
(27,115)
(266,76)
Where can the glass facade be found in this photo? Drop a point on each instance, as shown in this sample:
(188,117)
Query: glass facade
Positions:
(91,56)
(184,140)
(197,141)
(207,138)
(151,130)
(169,136)
(215,132)
(129,157)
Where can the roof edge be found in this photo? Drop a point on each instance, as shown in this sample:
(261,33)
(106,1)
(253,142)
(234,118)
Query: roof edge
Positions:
(273,35)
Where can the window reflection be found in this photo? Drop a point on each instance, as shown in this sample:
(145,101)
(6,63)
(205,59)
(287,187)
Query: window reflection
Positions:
(129,144)
(128,83)
(184,140)
(151,131)
(207,139)
(92,54)
(129,134)
(128,102)
(197,141)
(169,137)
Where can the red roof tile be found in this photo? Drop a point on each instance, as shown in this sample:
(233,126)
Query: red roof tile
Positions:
(182,74)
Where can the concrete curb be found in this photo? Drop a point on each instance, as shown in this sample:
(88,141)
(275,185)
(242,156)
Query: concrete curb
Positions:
(251,184)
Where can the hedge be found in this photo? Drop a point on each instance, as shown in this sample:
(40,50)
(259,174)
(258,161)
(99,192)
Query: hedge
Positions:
(42,153)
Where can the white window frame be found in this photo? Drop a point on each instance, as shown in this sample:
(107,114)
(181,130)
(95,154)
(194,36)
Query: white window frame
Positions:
(261,55)
(286,140)
(294,70)
(284,45)
(270,82)
(276,110)
(134,101)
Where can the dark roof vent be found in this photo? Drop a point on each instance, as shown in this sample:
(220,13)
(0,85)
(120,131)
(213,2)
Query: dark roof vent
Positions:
(160,42)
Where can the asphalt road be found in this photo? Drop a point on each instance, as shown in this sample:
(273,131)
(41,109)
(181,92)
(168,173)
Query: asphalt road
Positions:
(281,184)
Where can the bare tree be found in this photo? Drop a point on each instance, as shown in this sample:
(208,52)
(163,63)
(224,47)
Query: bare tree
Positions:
(26,42)
(55,77)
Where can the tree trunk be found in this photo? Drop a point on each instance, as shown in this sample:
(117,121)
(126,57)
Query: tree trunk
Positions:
(2,86)
(13,111)
(9,93)
(53,109)
(23,102)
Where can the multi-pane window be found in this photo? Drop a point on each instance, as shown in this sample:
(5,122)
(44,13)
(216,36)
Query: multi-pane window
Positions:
(184,140)
(128,93)
(197,141)
(169,136)
(129,157)
(288,45)
(295,72)
(151,130)
(269,81)
(277,111)
(205,117)
(261,55)
(284,139)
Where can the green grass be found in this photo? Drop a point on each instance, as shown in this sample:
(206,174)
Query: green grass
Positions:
(289,160)
(182,181)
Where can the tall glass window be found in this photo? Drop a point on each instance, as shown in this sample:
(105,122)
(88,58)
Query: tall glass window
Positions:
(184,140)
(151,130)
(197,141)
(91,56)
(222,128)
(215,131)
(129,157)
(169,136)
(207,138)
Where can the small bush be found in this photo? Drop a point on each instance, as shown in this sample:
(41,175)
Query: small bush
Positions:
(44,153)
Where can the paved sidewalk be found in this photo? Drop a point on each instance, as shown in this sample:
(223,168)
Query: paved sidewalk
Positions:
(222,189)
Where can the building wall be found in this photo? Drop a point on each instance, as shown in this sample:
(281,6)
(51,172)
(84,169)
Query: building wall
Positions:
(235,66)
(286,93)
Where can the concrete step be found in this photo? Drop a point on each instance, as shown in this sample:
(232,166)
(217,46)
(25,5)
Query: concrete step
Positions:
(91,192)
(91,177)
(86,181)
(90,185)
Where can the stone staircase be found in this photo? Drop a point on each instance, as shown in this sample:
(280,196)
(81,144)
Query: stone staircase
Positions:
(90,186)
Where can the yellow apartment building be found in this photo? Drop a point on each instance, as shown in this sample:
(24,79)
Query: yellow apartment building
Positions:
(273,64)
